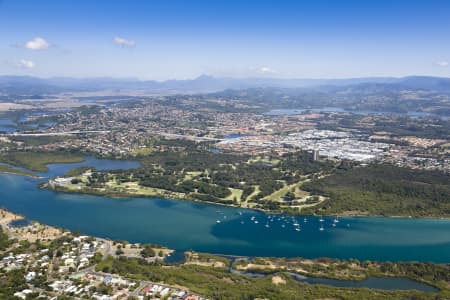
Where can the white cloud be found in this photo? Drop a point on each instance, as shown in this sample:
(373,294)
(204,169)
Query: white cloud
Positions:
(124,42)
(264,71)
(26,64)
(442,63)
(37,43)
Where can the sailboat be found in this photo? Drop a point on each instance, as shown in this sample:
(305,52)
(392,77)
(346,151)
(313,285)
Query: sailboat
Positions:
(321,228)
(321,219)
(336,220)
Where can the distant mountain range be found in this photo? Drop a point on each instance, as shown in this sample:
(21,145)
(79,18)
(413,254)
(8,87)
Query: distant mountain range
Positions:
(204,83)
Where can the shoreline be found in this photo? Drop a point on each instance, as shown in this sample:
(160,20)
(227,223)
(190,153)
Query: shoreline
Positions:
(32,175)
(26,175)
(168,196)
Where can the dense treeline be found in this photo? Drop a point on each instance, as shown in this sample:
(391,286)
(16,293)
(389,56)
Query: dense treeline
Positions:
(5,242)
(418,270)
(11,282)
(386,190)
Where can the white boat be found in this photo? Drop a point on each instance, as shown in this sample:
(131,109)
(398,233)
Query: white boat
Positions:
(321,219)
(321,228)
(297,229)
(256,222)
(218,221)
(336,220)
(305,220)
(267,225)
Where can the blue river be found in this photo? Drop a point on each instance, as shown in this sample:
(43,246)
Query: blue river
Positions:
(184,225)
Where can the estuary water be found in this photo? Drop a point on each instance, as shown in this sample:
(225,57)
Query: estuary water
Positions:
(291,111)
(185,225)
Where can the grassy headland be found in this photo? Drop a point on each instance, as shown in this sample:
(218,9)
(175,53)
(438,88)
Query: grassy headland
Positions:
(185,171)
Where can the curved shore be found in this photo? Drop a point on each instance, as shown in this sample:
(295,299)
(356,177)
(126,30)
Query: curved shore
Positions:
(185,197)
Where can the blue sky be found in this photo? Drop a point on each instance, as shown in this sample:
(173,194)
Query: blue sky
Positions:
(169,39)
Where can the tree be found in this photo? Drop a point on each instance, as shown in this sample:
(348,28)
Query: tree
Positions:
(148,252)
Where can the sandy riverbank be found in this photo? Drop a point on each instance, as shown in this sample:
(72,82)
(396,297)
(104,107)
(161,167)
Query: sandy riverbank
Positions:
(31,232)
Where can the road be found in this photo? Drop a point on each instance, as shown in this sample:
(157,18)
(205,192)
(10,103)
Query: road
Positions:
(63,133)
(108,248)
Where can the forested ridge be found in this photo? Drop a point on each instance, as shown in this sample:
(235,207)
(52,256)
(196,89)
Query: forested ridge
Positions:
(384,190)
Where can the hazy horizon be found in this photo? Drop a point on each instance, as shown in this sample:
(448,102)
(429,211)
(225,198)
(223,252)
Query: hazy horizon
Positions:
(158,40)
(131,78)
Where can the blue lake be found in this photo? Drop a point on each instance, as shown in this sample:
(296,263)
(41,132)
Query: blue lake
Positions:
(381,283)
(7,126)
(291,111)
(235,135)
(186,225)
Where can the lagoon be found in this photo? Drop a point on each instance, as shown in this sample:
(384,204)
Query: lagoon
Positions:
(380,283)
(184,225)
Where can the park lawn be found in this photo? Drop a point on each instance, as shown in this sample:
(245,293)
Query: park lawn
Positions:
(143,151)
(264,160)
(302,205)
(235,193)
(133,188)
(277,195)
(299,193)
(255,192)
(191,175)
